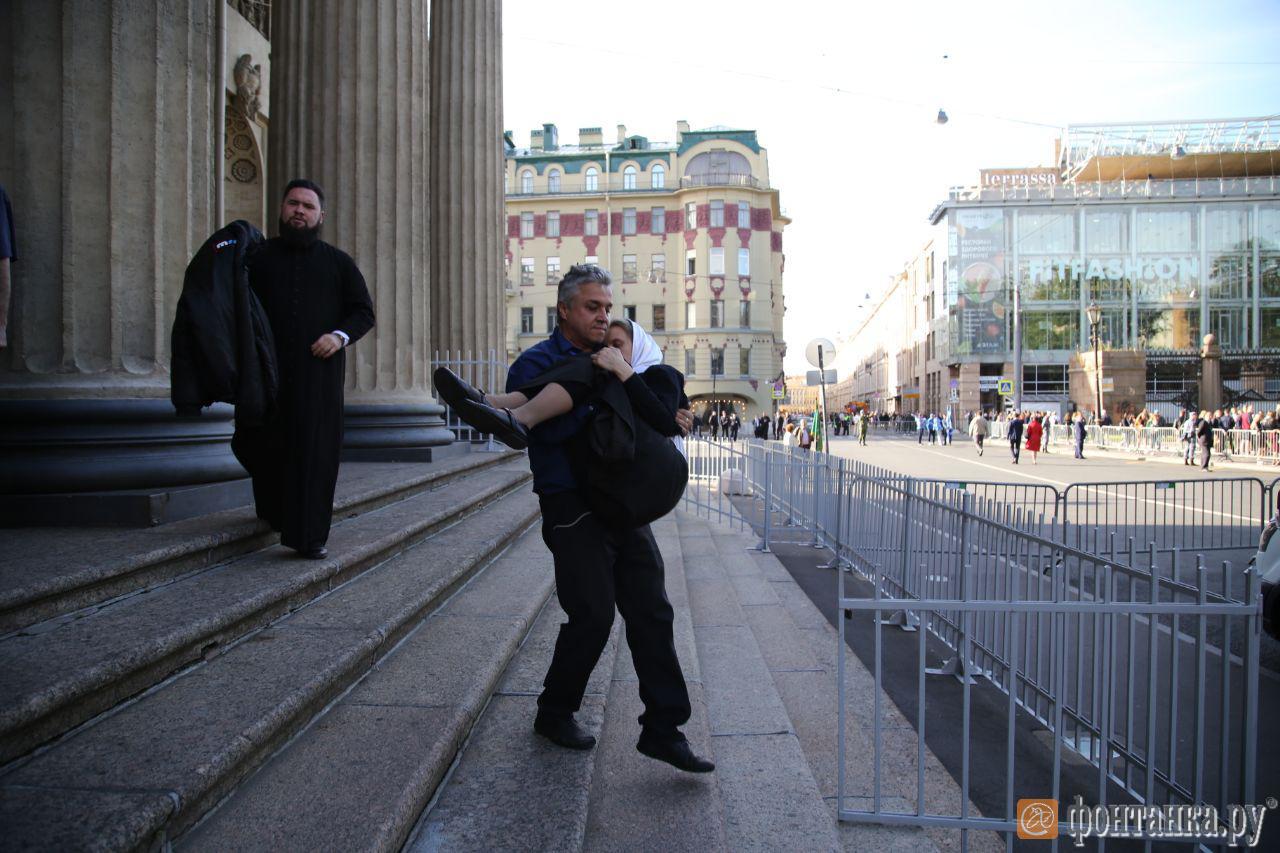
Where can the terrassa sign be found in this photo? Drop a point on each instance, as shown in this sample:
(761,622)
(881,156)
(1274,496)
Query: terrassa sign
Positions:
(1018,177)
(1159,268)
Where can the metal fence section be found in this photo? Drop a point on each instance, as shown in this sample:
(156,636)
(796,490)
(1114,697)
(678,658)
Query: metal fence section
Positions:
(1139,659)
(1129,670)
(1218,514)
(487,373)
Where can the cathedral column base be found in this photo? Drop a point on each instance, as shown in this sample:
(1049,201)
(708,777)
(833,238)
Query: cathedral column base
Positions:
(397,432)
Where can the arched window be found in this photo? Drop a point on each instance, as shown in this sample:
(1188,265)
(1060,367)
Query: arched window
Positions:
(592,179)
(526,181)
(629,178)
(658,176)
(553,181)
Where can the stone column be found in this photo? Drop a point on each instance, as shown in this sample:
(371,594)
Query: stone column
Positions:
(108,135)
(1211,374)
(468,303)
(349,111)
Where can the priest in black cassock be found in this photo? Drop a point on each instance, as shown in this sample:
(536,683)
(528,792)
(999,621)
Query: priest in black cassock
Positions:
(317,304)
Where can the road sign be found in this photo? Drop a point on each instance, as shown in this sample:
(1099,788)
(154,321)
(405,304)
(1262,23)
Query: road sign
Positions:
(1005,387)
(779,393)
(955,486)
(828,352)
(813,377)
(1108,385)
(955,395)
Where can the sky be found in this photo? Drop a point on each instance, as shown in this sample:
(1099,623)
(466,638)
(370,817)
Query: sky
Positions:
(844,97)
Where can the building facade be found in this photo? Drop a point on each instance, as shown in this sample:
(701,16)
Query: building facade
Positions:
(1172,229)
(691,232)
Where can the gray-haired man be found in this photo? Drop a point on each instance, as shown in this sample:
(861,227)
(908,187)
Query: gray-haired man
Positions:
(597,565)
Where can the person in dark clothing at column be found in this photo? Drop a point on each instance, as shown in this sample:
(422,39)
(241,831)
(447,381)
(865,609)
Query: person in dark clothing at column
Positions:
(599,565)
(317,304)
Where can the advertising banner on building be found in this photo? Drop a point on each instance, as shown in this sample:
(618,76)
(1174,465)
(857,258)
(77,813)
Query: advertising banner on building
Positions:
(976,244)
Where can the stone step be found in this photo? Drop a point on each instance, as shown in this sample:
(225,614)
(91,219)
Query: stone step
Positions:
(49,571)
(359,777)
(512,790)
(62,672)
(798,647)
(771,799)
(637,803)
(145,773)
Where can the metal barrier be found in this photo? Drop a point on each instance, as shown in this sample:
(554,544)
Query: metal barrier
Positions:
(1115,662)
(1139,660)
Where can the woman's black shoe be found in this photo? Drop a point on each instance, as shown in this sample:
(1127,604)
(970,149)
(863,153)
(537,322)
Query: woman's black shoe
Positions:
(499,423)
(453,389)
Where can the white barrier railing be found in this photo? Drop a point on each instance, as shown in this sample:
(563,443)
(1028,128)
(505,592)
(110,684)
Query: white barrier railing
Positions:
(1239,445)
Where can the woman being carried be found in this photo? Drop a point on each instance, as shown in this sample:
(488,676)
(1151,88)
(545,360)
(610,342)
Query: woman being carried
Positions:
(637,398)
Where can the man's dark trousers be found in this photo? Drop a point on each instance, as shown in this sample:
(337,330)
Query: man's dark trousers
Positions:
(597,567)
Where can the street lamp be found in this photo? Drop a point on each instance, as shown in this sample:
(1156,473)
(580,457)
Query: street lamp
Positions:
(1094,312)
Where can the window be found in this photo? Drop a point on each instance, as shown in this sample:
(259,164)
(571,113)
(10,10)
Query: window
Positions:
(629,311)
(717,361)
(1045,380)
(551,319)
(553,270)
(657,176)
(690,261)
(591,223)
(526,270)
(659,318)
(526,226)
(690,215)
(744,360)
(744,314)
(553,223)
(658,265)
(716,265)
(690,360)
(657,220)
(1048,330)
(553,181)
(691,315)
(526,182)
(628,269)
(717,213)
(526,321)
(717,313)
(744,262)
(628,220)
(629,178)
(591,179)
(744,215)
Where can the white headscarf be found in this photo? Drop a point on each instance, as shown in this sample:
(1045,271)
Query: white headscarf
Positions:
(646,353)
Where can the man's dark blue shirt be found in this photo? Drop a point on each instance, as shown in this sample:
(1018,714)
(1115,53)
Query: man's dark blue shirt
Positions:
(548,441)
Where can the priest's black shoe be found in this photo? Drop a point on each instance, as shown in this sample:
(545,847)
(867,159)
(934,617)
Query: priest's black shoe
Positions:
(317,553)
(500,423)
(453,389)
(563,731)
(676,752)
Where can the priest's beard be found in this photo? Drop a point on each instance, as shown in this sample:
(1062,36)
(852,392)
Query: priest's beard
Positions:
(300,237)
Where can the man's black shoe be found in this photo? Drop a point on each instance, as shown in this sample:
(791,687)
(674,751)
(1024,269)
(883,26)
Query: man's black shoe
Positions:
(453,389)
(317,553)
(675,752)
(499,423)
(563,731)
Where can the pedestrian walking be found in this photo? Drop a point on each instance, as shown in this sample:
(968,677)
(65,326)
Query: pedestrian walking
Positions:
(1014,434)
(922,427)
(1035,433)
(979,429)
(1077,427)
(864,424)
(1187,434)
(1204,437)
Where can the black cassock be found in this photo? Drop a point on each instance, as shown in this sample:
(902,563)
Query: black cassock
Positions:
(306,291)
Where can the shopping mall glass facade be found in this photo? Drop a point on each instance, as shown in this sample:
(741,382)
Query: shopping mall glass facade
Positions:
(1165,273)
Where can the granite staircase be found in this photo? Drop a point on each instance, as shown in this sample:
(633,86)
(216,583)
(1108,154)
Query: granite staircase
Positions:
(385,700)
